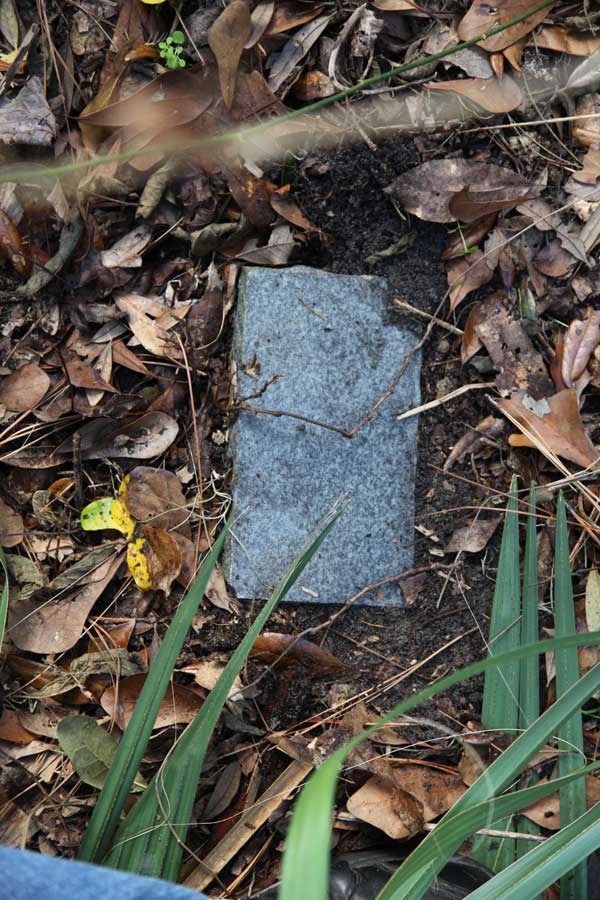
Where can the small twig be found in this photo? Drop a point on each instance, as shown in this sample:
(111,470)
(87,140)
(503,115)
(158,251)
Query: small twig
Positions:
(465,388)
(290,415)
(402,304)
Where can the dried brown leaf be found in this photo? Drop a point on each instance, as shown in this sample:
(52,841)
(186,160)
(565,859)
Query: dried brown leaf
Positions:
(510,348)
(575,349)
(288,14)
(179,705)
(552,425)
(496,95)
(227,38)
(155,497)
(428,190)
(473,537)
(467,274)
(12,730)
(12,247)
(483,16)
(386,806)
(24,389)
(565,41)
(11,526)
(57,625)
(470,344)
(554,260)
(270,646)
(474,439)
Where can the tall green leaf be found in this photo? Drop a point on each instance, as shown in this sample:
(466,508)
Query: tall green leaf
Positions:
(131,749)
(529,688)
(150,841)
(306,859)
(572,798)
(501,686)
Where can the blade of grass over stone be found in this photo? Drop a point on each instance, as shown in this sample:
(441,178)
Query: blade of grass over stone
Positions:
(306,858)
(150,841)
(501,686)
(133,744)
(451,832)
(17,174)
(573,885)
(529,689)
(568,849)
(4,597)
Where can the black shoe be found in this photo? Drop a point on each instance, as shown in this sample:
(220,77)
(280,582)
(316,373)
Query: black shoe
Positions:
(362,875)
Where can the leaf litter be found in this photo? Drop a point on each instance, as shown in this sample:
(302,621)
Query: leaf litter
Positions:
(118,282)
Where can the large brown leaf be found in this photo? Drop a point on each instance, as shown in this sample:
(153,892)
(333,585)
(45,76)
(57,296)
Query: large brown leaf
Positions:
(269,648)
(496,95)
(552,425)
(227,38)
(574,350)
(155,497)
(178,706)
(24,389)
(56,625)
(483,16)
(428,190)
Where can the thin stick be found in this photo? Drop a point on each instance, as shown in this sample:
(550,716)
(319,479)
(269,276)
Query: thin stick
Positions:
(402,304)
(441,400)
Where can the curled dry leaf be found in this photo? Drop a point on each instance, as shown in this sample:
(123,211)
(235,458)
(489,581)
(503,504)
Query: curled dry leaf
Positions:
(24,389)
(11,526)
(11,246)
(474,439)
(586,129)
(470,344)
(127,251)
(564,41)
(207,672)
(12,730)
(179,705)
(552,425)
(57,625)
(269,647)
(467,274)
(496,95)
(575,349)
(483,16)
(590,172)
(419,794)
(467,238)
(383,804)
(150,321)
(473,537)
(428,190)
(227,38)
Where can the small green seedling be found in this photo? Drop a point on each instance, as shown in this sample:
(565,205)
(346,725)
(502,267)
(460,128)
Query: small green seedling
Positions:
(171,50)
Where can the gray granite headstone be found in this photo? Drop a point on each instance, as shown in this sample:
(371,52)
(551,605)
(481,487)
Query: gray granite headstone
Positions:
(330,338)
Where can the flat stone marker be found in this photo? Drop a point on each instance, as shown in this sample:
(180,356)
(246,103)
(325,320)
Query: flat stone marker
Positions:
(326,335)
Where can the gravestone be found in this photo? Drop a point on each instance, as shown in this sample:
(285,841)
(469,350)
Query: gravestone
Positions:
(326,348)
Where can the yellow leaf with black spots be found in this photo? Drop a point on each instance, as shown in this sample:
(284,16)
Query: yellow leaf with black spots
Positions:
(107,513)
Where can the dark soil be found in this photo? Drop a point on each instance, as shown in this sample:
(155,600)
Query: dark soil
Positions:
(342,193)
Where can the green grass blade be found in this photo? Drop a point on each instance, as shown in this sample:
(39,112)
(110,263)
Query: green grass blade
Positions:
(306,859)
(4,597)
(501,686)
(569,848)
(451,832)
(132,746)
(150,841)
(572,798)
(529,688)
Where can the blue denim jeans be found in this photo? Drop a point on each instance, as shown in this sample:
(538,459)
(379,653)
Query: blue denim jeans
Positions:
(31,876)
